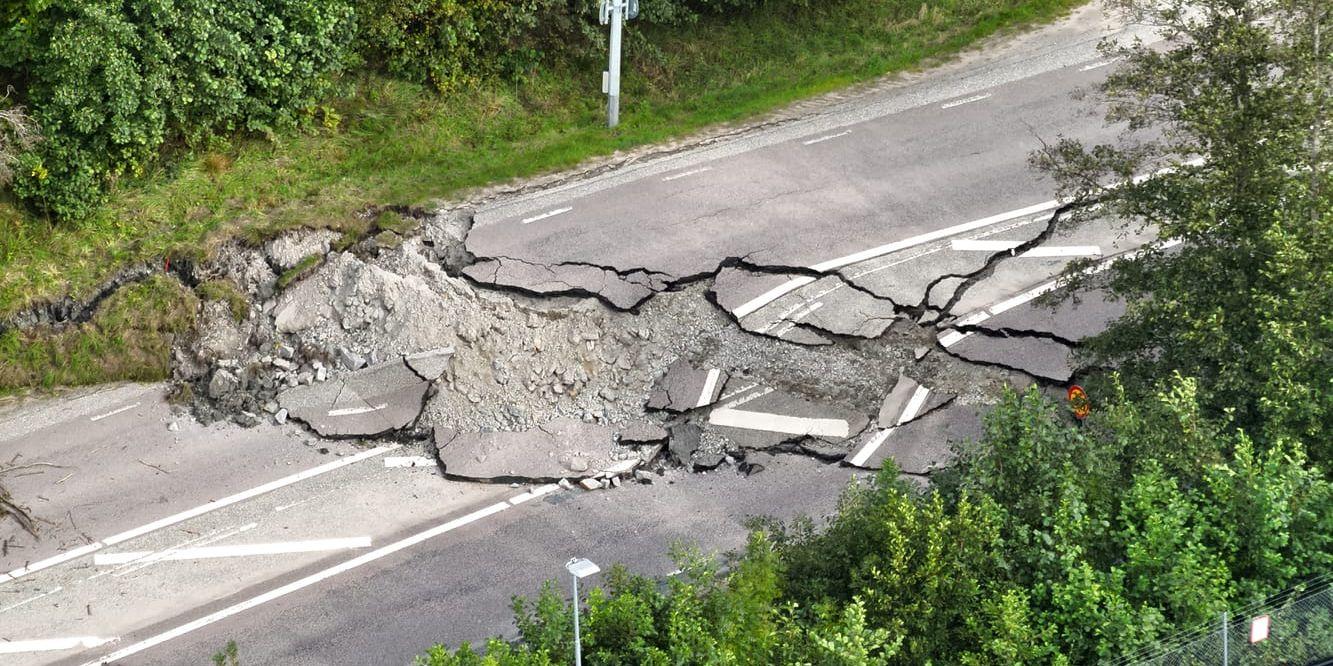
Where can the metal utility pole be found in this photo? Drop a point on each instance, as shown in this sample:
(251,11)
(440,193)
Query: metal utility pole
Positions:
(615,12)
(1226,647)
(579,568)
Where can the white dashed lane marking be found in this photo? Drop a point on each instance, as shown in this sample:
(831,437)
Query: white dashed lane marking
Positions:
(822,139)
(551,213)
(710,387)
(910,411)
(965,100)
(126,408)
(686,174)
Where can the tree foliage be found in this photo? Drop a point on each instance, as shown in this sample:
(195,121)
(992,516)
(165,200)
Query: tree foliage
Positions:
(1236,107)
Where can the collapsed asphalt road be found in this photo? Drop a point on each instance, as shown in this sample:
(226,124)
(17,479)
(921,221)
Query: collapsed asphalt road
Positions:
(790,307)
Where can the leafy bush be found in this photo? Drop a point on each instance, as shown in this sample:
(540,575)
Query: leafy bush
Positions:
(111,82)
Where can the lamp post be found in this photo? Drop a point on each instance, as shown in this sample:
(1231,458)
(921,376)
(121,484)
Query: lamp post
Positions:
(579,568)
(615,12)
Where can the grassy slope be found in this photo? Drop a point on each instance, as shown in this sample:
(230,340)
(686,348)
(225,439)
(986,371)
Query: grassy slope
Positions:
(397,143)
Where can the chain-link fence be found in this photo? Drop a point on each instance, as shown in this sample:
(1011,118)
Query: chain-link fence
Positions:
(1294,628)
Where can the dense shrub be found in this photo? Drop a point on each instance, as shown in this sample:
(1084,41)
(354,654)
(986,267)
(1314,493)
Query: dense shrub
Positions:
(112,81)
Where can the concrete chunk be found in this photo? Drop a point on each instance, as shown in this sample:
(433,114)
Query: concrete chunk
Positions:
(430,364)
(564,448)
(366,403)
(684,387)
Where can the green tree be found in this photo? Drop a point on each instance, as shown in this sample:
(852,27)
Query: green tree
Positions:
(1243,303)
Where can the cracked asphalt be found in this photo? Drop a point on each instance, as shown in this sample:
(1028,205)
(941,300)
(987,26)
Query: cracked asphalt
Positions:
(737,328)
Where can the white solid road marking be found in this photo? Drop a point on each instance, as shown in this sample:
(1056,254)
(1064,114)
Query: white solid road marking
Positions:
(687,173)
(193,513)
(910,411)
(352,411)
(965,100)
(277,593)
(533,494)
(50,644)
(242,550)
(833,264)
(710,386)
(796,318)
(113,413)
(551,213)
(825,138)
(409,461)
(791,425)
(974,245)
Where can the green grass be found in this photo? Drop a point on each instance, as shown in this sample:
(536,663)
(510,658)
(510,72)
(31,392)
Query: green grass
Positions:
(401,144)
(227,292)
(129,338)
(302,267)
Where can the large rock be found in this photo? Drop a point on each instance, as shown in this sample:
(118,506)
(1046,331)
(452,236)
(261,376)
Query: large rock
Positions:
(367,403)
(287,250)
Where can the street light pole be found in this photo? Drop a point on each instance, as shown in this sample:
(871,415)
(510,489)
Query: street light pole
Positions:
(579,567)
(613,68)
(578,641)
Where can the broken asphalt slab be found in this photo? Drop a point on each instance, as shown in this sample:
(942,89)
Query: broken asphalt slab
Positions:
(763,418)
(920,446)
(683,387)
(909,400)
(561,449)
(366,403)
(1039,357)
(808,307)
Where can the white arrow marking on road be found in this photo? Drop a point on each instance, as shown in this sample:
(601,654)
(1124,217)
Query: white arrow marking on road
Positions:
(351,411)
(192,513)
(243,550)
(113,413)
(687,173)
(710,386)
(972,245)
(409,461)
(910,411)
(552,213)
(50,644)
(277,593)
(791,425)
(965,100)
(821,139)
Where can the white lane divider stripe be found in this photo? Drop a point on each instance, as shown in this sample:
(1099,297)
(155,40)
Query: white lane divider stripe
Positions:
(193,513)
(687,173)
(126,408)
(710,387)
(910,411)
(409,461)
(351,411)
(871,446)
(914,405)
(52,644)
(533,494)
(965,100)
(242,550)
(792,425)
(821,139)
(738,391)
(549,213)
(294,586)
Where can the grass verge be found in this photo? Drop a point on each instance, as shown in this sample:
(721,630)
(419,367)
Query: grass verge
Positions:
(398,143)
(129,338)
